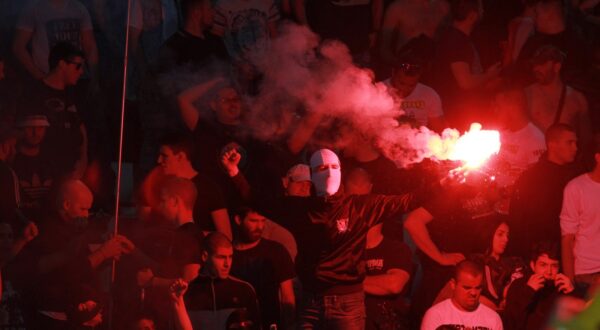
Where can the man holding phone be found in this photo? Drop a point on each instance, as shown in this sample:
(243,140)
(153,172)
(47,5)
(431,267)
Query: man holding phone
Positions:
(530,299)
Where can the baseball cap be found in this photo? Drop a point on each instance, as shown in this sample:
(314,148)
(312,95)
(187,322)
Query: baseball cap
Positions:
(299,172)
(548,53)
(33,121)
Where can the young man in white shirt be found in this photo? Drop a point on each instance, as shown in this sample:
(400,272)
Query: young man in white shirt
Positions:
(463,310)
(580,226)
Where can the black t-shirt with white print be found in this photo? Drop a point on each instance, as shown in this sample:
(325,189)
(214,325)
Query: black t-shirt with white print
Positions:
(385,312)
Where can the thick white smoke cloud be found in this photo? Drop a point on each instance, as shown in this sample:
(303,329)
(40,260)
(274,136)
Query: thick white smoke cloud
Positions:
(323,78)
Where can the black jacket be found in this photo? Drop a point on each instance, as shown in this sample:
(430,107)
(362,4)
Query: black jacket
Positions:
(331,236)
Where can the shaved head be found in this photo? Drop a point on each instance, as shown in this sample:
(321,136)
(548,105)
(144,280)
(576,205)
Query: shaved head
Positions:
(74,199)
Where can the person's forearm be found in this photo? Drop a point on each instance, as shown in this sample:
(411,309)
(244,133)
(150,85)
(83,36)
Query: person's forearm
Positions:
(420,235)
(26,60)
(224,227)
(383,285)
(288,314)
(17,246)
(568,260)
(303,133)
(182,319)
(97,257)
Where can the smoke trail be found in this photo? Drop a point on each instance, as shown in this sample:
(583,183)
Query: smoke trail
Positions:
(323,78)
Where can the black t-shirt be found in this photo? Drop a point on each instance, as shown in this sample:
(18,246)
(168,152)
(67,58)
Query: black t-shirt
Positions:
(265,266)
(172,248)
(36,175)
(457,214)
(215,303)
(210,199)
(454,46)
(348,21)
(185,48)
(63,138)
(387,312)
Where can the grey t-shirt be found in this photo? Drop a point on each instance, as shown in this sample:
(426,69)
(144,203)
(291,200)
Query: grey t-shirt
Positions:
(51,24)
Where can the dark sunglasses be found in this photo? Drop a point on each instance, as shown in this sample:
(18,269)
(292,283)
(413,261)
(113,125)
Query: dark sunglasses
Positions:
(77,65)
(410,69)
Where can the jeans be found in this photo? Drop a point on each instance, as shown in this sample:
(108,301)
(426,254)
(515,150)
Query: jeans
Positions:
(343,312)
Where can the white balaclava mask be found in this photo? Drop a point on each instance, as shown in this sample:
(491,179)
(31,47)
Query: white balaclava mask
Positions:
(326,180)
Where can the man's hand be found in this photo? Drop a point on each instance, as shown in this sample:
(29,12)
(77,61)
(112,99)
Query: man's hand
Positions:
(144,277)
(178,289)
(230,159)
(563,284)
(536,282)
(116,246)
(450,259)
(30,232)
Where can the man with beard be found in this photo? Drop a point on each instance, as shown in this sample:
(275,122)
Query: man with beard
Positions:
(463,310)
(550,100)
(267,266)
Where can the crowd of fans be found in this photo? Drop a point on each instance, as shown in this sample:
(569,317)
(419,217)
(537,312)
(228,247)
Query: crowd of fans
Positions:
(226,230)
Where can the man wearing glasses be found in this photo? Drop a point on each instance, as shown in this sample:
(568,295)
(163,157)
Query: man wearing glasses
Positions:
(66,139)
(420,103)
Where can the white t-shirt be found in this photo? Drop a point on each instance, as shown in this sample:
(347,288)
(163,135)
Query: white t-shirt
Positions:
(51,24)
(446,314)
(423,103)
(520,150)
(580,215)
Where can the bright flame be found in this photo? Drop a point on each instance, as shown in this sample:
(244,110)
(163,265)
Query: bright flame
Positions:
(472,149)
(475,147)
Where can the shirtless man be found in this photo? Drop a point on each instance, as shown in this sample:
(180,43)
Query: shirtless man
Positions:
(544,95)
(408,19)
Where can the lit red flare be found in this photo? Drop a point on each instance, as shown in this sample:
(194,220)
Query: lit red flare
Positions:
(472,149)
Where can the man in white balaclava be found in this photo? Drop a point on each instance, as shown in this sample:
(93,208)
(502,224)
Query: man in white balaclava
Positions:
(330,229)
(326,174)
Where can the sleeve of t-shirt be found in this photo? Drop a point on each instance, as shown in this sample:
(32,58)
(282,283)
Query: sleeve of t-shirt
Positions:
(284,267)
(376,208)
(400,257)
(27,19)
(431,320)
(569,215)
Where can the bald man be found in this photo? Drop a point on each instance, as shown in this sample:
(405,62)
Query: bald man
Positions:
(65,255)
